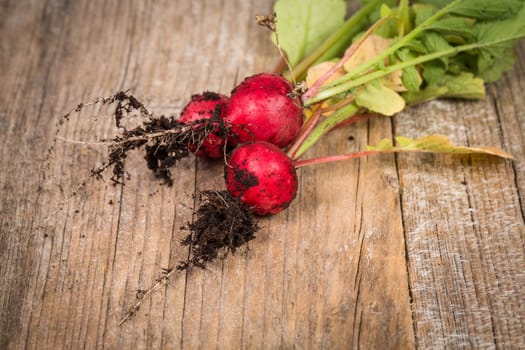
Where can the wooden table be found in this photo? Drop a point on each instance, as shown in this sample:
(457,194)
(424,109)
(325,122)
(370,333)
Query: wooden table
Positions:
(386,252)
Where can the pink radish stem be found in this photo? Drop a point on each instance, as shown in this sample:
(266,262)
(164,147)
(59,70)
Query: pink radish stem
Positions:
(330,159)
(311,124)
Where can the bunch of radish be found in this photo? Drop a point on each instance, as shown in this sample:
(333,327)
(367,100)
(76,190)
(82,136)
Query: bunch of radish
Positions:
(262,117)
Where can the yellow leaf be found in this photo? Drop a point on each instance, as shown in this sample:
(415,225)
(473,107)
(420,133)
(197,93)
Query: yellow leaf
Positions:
(393,81)
(385,11)
(371,47)
(378,98)
(317,71)
(434,144)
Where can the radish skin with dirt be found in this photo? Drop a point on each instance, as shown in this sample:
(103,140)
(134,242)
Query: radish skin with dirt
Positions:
(262,177)
(202,107)
(263,108)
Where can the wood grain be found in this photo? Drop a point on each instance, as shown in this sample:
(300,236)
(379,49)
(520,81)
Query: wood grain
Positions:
(464,224)
(385,252)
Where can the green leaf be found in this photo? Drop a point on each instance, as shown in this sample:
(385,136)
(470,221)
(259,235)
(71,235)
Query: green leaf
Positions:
(433,71)
(436,3)
(429,93)
(454,27)
(416,46)
(492,63)
(388,29)
(433,144)
(384,11)
(389,3)
(464,85)
(488,9)
(481,9)
(422,12)
(404,24)
(494,60)
(303,24)
(434,42)
(378,98)
(411,78)
(460,64)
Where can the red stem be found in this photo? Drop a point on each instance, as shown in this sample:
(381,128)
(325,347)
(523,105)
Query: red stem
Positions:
(314,120)
(354,119)
(330,159)
(310,125)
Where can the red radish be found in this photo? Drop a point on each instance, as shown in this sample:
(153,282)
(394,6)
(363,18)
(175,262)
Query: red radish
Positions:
(262,176)
(201,107)
(262,108)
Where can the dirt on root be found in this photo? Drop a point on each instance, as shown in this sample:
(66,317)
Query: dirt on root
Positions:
(222,224)
(165,140)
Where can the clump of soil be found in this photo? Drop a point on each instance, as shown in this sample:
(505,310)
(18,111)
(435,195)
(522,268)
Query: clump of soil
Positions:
(222,224)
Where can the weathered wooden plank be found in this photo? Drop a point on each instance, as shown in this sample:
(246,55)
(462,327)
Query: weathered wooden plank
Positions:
(358,261)
(464,228)
(506,96)
(21,121)
(76,255)
(329,272)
